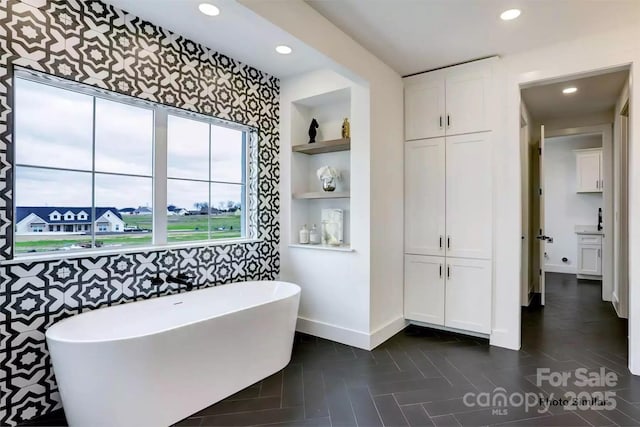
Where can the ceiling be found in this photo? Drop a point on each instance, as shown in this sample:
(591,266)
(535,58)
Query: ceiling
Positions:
(237,32)
(595,94)
(418,35)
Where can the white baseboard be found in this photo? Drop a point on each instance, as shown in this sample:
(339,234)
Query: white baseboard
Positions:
(556,268)
(385,332)
(502,338)
(334,333)
(348,336)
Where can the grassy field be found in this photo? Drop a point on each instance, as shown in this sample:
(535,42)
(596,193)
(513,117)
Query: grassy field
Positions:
(181,229)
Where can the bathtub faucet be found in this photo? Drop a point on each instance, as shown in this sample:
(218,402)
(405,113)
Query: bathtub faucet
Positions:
(181,279)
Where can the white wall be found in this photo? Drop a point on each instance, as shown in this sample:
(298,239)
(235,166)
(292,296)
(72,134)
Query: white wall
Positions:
(335,285)
(564,208)
(605,50)
(381,171)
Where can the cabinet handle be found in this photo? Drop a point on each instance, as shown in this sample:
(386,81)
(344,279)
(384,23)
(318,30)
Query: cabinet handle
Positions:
(448,242)
(598,184)
(440,242)
(440,122)
(448,272)
(448,121)
(441,271)
(602,184)
(598,253)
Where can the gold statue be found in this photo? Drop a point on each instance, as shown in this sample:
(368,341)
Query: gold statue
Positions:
(346,129)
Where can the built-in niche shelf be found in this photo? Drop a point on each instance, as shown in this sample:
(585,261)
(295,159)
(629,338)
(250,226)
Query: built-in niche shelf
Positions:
(343,248)
(308,200)
(321,147)
(323,195)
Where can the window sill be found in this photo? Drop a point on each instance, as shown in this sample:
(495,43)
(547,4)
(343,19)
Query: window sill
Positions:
(21,259)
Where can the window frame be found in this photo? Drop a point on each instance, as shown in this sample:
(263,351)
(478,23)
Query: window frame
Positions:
(159,170)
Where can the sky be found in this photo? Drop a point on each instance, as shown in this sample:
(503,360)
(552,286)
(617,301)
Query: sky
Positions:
(54,127)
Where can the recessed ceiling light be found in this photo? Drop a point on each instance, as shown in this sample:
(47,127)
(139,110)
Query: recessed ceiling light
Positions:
(510,14)
(283,49)
(209,9)
(569,90)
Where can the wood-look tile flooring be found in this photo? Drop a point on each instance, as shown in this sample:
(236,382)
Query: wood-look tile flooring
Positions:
(420,376)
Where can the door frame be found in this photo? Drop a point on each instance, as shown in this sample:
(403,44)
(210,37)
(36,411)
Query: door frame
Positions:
(508,323)
(606,133)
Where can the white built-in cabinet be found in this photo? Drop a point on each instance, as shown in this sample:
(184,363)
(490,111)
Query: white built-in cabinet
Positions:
(448,199)
(425,294)
(451,101)
(425,188)
(589,256)
(589,171)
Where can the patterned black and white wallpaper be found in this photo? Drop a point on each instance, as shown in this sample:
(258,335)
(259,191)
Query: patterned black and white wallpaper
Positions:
(90,42)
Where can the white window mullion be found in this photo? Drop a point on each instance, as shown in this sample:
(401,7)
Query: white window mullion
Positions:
(93,178)
(160,177)
(209,208)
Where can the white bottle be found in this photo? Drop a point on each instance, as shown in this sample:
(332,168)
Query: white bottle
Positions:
(314,235)
(304,235)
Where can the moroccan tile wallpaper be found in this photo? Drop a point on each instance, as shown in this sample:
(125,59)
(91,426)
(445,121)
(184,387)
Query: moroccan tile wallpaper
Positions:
(90,42)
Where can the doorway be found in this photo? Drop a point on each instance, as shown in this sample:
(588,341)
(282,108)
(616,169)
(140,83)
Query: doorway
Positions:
(570,209)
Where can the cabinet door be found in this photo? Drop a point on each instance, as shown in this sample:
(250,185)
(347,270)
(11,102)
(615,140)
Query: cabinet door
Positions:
(467,101)
(590,260)
(425,196)
(424,289)
(588,164)
(469,196)
(424,108)
(468,295)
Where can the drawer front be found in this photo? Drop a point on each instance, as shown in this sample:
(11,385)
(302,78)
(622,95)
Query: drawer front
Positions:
(589,239)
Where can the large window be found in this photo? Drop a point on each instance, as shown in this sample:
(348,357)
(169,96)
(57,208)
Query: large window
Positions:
(206,180)
(90,171)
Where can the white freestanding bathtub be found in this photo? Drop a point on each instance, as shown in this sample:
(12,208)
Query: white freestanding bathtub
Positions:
(158,361)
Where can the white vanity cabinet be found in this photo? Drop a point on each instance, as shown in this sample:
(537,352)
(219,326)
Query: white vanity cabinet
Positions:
(589,254)
(589,171)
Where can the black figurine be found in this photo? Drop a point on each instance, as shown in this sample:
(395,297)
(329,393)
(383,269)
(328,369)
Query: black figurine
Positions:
(312,131)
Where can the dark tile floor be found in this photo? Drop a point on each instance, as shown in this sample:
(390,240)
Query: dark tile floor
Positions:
(420,376)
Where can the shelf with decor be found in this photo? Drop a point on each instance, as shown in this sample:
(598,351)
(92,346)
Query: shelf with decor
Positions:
(320,165)
(323,195)
(322,147)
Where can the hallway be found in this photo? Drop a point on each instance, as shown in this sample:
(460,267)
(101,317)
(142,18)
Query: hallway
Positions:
(575,320)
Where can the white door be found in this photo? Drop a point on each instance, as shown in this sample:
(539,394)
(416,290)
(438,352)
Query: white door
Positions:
(590,260)
(425,196)
(424,288)
(589,175)
(468,195)
(424,109)
(467,102)
(541,236)
(468,295)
